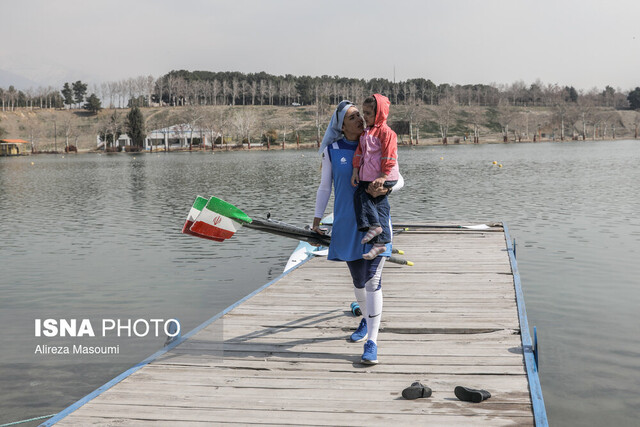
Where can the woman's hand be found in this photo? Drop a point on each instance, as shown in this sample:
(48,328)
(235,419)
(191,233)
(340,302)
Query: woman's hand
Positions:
(316,226)
(375,192)
(355,179)
(379,182)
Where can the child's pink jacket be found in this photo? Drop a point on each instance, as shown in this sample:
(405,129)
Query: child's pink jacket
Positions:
(377,151)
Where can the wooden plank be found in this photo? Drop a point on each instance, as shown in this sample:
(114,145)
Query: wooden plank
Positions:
(285,360)
(116,412)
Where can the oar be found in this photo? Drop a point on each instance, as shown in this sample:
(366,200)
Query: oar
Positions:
(467,227)
(217,220)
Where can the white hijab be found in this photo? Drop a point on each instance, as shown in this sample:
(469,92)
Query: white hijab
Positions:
(334,130)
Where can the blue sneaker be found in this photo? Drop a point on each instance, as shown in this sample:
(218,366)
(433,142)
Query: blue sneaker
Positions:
(361,333)
(370,355)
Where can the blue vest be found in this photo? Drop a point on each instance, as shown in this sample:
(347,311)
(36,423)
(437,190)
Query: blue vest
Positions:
(345,237)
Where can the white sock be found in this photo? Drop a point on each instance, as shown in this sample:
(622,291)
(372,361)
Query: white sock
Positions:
(361,297)
(374,313)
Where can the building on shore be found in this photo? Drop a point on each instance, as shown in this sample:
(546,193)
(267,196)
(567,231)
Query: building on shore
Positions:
(14,147)
(173,137)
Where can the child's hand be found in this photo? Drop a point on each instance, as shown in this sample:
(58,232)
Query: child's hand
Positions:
(379,182)
(355,179)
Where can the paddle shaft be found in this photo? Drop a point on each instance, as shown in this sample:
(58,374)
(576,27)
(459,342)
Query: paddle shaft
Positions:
(291,231)
(287,230)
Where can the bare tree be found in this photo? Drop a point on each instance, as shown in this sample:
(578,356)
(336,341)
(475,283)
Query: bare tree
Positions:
(445,114)
(235,87)
(171,88)
(191,116)
(4,96)
(215,90)
(113,125)
(223,116)
(520,125)
(244,89)
(358,93)
(505,117)
(411,113)
(209,123)
(253,89)
(271,90)
(262,91)
(245,120)
(612,119)
(181,88)
(140,84)
(112,90)
(226,90)
(29,93)
(585,111)
(33,127)
(598,119)
(560,113)
(69,130)
(285,124)
(12,94)
(159,91)
(476,117)
(150,84)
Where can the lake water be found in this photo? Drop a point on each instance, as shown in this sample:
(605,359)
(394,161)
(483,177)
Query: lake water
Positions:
(101,234)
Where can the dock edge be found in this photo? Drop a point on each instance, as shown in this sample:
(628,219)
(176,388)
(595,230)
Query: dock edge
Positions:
(97,392)
(537,401)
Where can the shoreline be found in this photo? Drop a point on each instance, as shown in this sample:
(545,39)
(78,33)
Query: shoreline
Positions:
(53,129)
(432,142)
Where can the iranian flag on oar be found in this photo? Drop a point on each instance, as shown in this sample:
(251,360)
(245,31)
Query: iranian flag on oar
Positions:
(210,224)
(195,210)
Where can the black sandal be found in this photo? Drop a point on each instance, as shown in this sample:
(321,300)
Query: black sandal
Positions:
(471,394)
(415,391)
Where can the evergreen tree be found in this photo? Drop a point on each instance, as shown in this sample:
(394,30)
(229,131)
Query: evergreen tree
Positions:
(79,91)
(571,95)
(67,94)
(634,99)
(93,104)
(135,127)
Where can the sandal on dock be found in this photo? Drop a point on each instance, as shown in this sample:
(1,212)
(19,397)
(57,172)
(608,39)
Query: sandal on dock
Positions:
(471,395)
(415,391)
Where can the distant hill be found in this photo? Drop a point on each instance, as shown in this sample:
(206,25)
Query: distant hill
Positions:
(8,78)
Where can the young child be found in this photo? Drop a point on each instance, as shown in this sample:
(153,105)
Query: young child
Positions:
(375,161)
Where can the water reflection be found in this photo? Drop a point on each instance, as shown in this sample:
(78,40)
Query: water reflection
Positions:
(90,232)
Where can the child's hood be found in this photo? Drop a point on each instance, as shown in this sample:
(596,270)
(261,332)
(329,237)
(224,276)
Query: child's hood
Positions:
(382,110)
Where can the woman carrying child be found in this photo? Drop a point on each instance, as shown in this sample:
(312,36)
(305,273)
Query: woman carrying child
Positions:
(338,148)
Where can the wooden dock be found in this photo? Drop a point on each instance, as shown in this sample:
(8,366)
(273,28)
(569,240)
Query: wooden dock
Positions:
(451,319)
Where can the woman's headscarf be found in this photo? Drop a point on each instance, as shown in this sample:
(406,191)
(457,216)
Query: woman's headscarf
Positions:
(334,130)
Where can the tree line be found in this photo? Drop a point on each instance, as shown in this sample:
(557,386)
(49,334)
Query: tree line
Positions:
(182,88)
(420,104)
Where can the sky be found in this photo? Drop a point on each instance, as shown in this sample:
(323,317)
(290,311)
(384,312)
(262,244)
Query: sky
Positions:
(585,43)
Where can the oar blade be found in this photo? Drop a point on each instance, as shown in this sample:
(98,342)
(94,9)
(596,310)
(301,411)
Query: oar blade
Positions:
(213,225)
(227,210)
(195,210)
